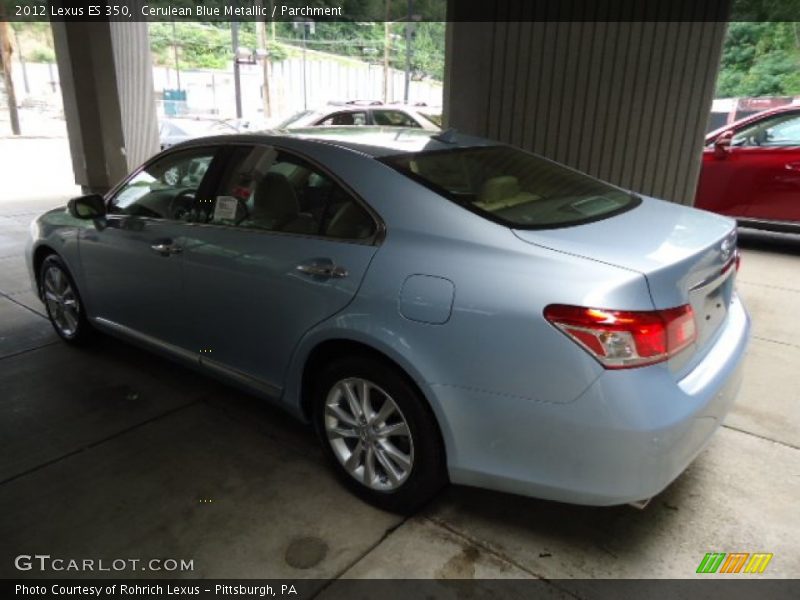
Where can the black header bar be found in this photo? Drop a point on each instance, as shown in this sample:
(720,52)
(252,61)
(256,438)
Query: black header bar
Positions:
(424,10)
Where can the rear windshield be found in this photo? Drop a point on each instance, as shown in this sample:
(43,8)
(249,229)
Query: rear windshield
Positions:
(514,187)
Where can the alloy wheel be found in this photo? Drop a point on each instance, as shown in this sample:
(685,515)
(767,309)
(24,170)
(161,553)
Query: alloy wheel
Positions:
(369,434)
(61,300)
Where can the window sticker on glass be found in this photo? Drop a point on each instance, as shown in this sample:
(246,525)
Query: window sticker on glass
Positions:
(225,208)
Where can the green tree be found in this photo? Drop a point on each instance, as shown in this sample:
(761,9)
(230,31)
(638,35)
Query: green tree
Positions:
(203,45)
(760,59)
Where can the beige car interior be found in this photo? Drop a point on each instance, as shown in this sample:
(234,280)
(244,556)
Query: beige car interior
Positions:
(502,192)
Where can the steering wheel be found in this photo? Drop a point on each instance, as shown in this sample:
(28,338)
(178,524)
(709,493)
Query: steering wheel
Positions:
(181,204)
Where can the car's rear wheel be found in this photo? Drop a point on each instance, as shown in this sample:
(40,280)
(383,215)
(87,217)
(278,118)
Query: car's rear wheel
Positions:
(62,301)
(379,433)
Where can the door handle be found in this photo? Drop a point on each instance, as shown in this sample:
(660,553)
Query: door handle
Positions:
(328,271)
(793,166)
(166,249)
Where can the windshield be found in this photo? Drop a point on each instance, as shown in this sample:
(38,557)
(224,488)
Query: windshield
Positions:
(514,187)
(294,119)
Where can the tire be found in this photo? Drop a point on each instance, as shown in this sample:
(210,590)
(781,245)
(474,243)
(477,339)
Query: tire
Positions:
(63,302)
(404,490)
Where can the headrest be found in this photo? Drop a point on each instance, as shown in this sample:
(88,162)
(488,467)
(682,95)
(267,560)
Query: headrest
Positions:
(497,189)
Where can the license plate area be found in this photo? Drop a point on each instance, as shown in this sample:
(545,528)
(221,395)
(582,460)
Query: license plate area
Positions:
(710,304)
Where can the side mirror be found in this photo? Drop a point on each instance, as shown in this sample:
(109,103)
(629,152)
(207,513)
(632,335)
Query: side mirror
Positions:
(722,145)
(91,206)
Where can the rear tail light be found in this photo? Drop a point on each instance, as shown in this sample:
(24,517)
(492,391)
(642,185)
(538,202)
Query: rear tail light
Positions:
(621,339)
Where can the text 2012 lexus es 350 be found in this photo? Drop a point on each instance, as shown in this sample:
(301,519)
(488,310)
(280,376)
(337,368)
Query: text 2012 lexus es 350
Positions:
(440,307)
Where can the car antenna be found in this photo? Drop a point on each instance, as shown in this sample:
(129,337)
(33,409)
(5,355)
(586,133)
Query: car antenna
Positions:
(447,136)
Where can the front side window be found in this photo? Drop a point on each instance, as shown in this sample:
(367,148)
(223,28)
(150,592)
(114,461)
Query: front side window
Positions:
(263,188)
(513,187)
(777,131)
(166,188)
(393,118)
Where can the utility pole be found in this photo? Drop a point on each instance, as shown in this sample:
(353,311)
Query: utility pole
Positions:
(305,93)
(6,50)
(261,35)
(409,31)
(386,24)
(308,29)
(272,22)
(175,55)
(237,82)
(26,84)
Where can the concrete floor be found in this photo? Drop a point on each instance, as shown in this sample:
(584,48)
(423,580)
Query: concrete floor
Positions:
(111,452)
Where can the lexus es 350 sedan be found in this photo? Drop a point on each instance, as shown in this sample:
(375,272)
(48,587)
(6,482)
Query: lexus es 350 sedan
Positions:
(440,307)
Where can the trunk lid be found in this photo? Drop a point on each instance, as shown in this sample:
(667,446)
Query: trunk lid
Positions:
(682,252)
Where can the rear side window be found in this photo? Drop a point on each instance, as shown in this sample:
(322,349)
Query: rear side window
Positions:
(393,118)
(344,118)
(513,187)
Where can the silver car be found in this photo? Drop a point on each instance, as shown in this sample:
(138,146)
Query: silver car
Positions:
(365,114)
(439,307)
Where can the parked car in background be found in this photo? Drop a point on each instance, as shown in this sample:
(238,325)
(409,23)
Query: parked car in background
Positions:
(180,129)
(751,170)
(432,113)
(441,307)
(243,125)
(177,130)
(365,112)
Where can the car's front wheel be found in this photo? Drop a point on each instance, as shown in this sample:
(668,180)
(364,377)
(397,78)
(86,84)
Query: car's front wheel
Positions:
(62,301)
(379,433)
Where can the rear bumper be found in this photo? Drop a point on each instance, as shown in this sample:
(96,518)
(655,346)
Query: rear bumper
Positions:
(628,436)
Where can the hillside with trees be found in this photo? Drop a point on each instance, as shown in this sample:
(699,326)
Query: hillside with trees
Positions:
(760,59)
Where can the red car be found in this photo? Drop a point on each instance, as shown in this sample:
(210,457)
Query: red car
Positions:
(751,170)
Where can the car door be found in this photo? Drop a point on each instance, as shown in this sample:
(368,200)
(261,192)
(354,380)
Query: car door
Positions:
(759,175)
(131,259)
(285,246)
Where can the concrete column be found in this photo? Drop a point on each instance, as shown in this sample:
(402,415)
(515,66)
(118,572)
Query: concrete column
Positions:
(107,86)
(624,101)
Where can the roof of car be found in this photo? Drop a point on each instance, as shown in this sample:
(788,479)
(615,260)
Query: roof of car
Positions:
(373,105)
(372,141)
(751,118)
(330,109)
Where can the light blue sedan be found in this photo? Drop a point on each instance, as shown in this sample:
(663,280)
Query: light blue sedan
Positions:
(440,307)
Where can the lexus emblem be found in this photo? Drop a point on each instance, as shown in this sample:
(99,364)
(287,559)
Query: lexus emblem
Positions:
(726,248)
